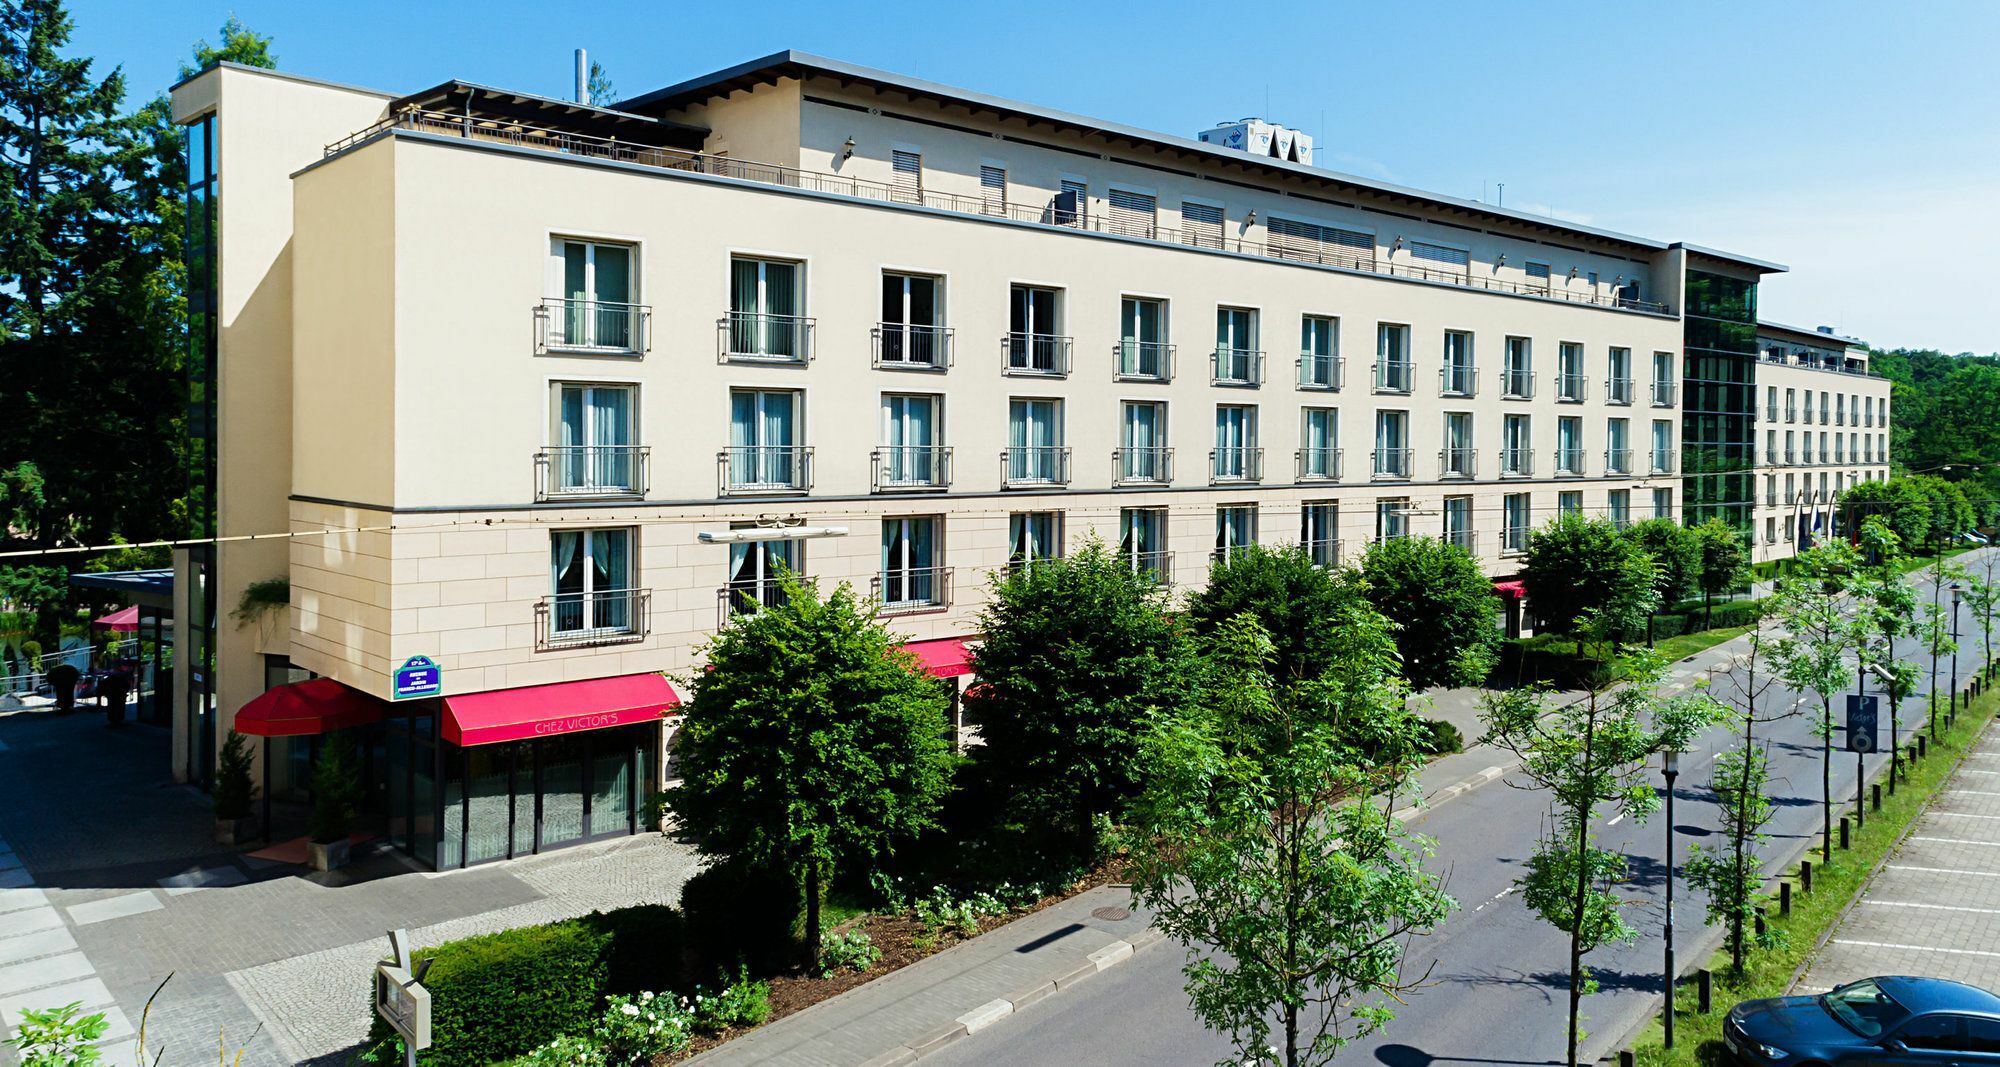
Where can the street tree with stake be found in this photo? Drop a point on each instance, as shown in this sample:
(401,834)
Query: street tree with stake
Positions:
(1934,628)
(1815,608)
(1982,598)
(1262,842)
(1590,754)
(1724,561)
(1888,612)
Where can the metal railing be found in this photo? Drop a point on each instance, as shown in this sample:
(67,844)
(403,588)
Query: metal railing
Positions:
(1569,461)
(1822,454)
(581,620)
(910,467)
(1157,565)
(1517,463)
(1791,413)
(1034,465)
(1324,551)
(1771,413)
(1036,353)
(1236,366)
(1572,388)
(899,346)
(1393,375)
(602,326)
(1321,464)
(1144,361)
(752,336)
(1241,464)
(1663,461)
(591,470)
(1618,390)
(1617,461)
(1663,394)
(1142,466)
(907,589)
(1390,462)
(1321,372)
(1465,541)
(1457,462)
(1791,458)
(1517,384)
(1285,247)
(1513,540)
(1458,379)
(749,469)
(746,598)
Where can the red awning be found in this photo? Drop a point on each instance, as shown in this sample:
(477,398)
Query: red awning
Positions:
(310,707)
(125,619)
(562,708)
(946,657)
(1511,590)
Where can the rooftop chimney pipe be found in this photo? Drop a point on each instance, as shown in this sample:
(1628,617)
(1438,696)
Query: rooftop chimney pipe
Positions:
(582,77)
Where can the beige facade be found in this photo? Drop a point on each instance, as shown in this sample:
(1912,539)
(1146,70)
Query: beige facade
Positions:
(1822,425)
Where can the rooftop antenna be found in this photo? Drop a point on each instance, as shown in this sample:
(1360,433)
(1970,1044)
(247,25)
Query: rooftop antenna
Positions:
(582,77)
(1503,194)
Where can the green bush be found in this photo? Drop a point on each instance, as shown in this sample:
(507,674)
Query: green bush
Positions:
(742,1002)
(234,791)
(1665,626)
(848,950)
(501,995)
(737,914)
(1734,613)
(1442,738)
(647,951)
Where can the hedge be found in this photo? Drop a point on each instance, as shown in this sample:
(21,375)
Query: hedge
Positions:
(1689,618)
(739,914)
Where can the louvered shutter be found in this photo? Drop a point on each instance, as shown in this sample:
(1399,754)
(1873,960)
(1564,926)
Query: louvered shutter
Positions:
(1201,225)
(1132,213)
(908,168)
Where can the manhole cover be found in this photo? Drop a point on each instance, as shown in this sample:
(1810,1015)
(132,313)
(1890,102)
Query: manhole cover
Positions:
(1112,915)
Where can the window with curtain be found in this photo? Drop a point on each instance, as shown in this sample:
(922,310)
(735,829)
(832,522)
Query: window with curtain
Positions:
(1460,378)
(756,566)
(1458,449)
(1142,338)
(1319,352)
(1319,531)
(1392,454)
(1569,503)
(1663,503)
(1392,518)
(1458,521)
(1142,440)
(1516,448)
(1034,340)
(1618,446)
(1319,443)
(594,448)
(1034,440)
(1663,445)
(1235,441)
(910,573)
(763,439)
(1569,445)
(1392,357)
(1618,505)
(1518,376)
(766,301)
(911,330)
(591,581)
(1235,344)
(1033,536)
(1142,539)
(910,436)
(1569,371)
(1514,524)
(598,295)
(1235,529)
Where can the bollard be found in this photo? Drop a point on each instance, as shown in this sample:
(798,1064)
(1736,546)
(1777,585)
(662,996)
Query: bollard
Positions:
(1784,898)
(1627,1059)
(1805,876)
(1875,796)
(1844,822)
(1760,924)
(1704,990)
(1923,745)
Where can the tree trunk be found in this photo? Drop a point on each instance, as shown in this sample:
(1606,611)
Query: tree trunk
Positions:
(1575,987)
(1826,777)
(812,912)
(1582,882)
(1292,848)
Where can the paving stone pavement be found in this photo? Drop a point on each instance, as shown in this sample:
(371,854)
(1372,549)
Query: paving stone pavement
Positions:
(1934,908)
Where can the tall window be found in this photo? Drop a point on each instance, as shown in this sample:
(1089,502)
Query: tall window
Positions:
(1236,354)
(1143,455)
(1618,446)
(764,450)
(1618,384)
(1458,459)
(598,293)
(1618,505)
(594,448)
(1663,379)
(755,568)
(1517,378)
(912,333)
(591,582)
(1517,453)
(1663,503)
(910,574)
(1235,529)
(1142,540)
(1319,443)
(1034,340)
(993,188)
(1392,444)
(910,454)
(1392,518)
(1392,358)
(1514,523)
(1035,452)
(1034,536)
(1319,352)
(766,311)
(1570,503)
(1319,531)
(1569,445)
(1458,522)
(1458,377)
(1143,351)
(1571,383)
(1663,446)
(1237,457)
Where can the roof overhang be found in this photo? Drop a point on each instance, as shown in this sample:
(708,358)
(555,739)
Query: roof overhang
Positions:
(150,588)
(1812,336)
(488,102)
(1760,266)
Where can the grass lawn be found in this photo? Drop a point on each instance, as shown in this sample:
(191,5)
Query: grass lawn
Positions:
(1676,648)
(1769,972)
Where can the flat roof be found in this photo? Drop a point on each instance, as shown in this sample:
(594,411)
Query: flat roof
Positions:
(490,101)
(153,588)
(1819,335)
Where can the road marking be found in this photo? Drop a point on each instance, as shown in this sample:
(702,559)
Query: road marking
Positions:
(1615,820)
(1966,815)
(1972,792)
(1955,841)
(1916,948)
(1931,907)
(1967,770)
(1944,870)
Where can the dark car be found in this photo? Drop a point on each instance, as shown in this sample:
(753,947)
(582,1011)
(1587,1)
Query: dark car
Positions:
(1890,1020)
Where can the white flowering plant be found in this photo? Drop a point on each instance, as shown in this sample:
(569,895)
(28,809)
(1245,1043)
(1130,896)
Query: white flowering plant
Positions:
(635,1029)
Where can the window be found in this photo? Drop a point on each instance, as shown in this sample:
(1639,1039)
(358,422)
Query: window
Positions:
(1319,352)
(906,169)
(1315,243)
(1770,403)
(1458,377)
(910,577)
(1791,405)
(1143,351)
(1663,379)
(1618,505)
(1454,261)
(766,301)
(911,455)
(1618,386)
(1142,541)
(1458,522)
(1933,1032)
(754,571)
(1517,377)
(1569,445)
(1663,446)
(1770,447)
(1135,214)
(1319,449)
(1517,455)
(1771,531)
(1319,531)
(1035,452)
(1072,206)
(1571,382)
(595,307)
(591,579)
(1538,275)
(1392,518)
(1033,536)
(1570,503)
(1237,457)
(594,449)
(1201,224)
(1514,525)
(1791,489)
(1663,503)
(1392,358)
(1617,446)
(1982,1035)
(1237,360)
(1392,450)
(912,332)
(764,451)
(1143,455)
(993,188)
(1458,459)
(1035,344)
(1235,529)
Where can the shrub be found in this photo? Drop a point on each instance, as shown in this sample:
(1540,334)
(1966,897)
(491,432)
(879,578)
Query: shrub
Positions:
(743,1002)
(635,1030)
(1734,613)
(569,1051)
(847,950)
(234,791)
(1665,626)
(648,948)
(336,789)
(1441,738)
(501,995)
(59,1037)
(739,914)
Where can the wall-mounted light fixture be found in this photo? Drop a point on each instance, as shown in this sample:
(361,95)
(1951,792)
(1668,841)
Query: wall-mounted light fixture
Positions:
(1572,274)
(1398,245)
(847,150)
(1502,261)
(1251,218)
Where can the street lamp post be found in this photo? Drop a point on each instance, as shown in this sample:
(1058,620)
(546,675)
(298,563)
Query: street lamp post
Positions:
(1670,767)
(1957,592)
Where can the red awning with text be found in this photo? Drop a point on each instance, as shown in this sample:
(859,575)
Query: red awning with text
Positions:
(302,709)
(562,708)
(946,657)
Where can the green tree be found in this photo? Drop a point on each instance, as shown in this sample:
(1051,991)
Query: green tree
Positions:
(602,92)
(1730,873)
(1933,626)
(1951,513)
(238,44)
(1887,613)
(1292,598)
(1815,607)
(1582,576)
(1675,555)
(1075,653)
(1262,846)
(1442,606)
(1982,598)
(1588,755)
(1724,561)
(1897,501)
(813,742)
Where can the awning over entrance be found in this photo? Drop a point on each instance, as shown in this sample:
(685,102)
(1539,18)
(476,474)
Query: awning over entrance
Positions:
(305,708)
(1514,590)
(946,657)
(562,708)
(124,620)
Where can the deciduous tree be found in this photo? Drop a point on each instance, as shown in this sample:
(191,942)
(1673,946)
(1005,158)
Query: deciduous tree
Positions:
(1442,606)
(1815,606)
(1583,577)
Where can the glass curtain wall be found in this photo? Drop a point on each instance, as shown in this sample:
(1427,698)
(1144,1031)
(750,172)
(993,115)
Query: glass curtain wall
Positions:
(1719,399)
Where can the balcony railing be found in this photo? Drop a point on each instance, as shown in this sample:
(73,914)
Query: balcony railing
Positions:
(1517,463)
(1569,461)
(1572,388)
(908,589)
(754,337)
(1458,462)
(1663,394)
(1823,454)
(1393,375)
(591,470)
(514,133)
(1617,461)
(1144,361)
(1325,551)
(1771,413)
(746,598)
(899,467)
(595,326)
(1663,461)
(1458,379)
(752,469)
(1317,464)
(1791,414)
(581,620)
(1237,366)
(1618,390)
(1465,541)
(1391,462)
(1321,372)
(1157,564)
(1513,540)
(899,346)
(1791,458)
(1241,464)
(1032,465)
(1517,384)
(1036,353)
(1142,466)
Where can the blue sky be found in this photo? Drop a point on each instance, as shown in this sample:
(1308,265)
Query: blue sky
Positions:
(1857,143)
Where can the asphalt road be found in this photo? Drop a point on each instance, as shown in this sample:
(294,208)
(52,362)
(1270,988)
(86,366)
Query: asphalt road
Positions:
(1500,975)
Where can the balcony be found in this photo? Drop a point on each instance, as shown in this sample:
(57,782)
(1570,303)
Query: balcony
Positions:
(1240,464)
(585,620)
(1823,454)
(593,327)
(576,471)
(1390,462)
(1321,372)
(1771,414)
(1043,354)
(1458,379)
(1517,384)
(750,470)
(754,337)
(906,590)
(1791,458)
(1464,540)
(1034,465)
(1237,366)
(1663,461)
(1617,461)
(1317,464)
(1157,565)
(746,598)
(1393,376)
(1144,361)
(1458,462)
(1142,466)
(899,346)
(1325,551)
(1572,388)
(1513,540)
(1569,462)
(1618,391)
(1517,463)
(899,468)
(1663,394)
(1791,414)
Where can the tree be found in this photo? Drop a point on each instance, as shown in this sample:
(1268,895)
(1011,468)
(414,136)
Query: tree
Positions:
(1725,562)
(1441,605)
(1888,613)
(1951,513)
(239,45)
(1581,575)
(599,86)
(1897,501)
(1676,558)
(1076,652)
(1934,627)
(1982,595)
(1261,844)
(813,742)
(1292,598)
(1587,754)
(1814,606)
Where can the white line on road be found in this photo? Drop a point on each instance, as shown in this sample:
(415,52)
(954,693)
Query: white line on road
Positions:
(1615,820)
(1915,948)
(1972,792)
(1950,841)
(1966,815)
(1944,870)
(1931,907)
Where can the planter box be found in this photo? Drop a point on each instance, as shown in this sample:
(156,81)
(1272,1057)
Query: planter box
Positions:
(326,855)
(241,831)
